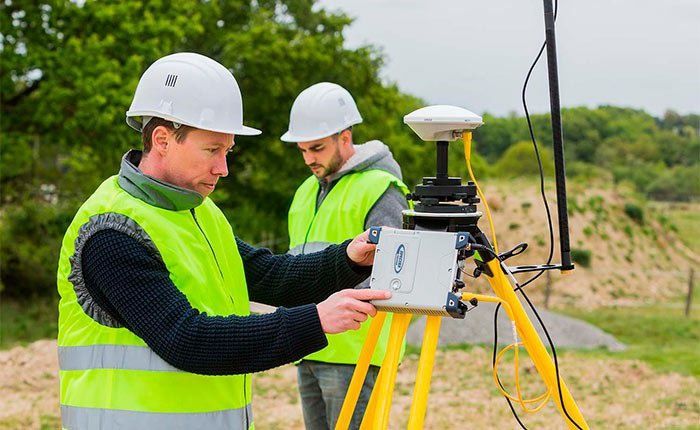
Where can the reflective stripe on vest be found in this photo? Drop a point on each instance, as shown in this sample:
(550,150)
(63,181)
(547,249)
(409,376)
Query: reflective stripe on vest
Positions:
(107,371)
(112,357)
(341,216)
(76,418)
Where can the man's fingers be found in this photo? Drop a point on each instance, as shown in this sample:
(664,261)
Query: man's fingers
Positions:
(360,251)
(363,237)
(360,317)
(366,247)
(367,294)
(360,306)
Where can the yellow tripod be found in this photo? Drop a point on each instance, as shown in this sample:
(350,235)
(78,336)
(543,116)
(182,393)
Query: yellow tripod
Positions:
(377,412)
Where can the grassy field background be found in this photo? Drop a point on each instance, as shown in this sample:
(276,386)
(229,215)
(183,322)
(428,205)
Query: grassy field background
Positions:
(633,286)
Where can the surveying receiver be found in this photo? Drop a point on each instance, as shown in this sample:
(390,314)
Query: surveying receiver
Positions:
(421,265)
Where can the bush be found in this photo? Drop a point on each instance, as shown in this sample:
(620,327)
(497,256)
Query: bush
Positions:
(30,242)
(681,183)
(635,212)
(581,256)
(519,160)
(540,240)
(587,172)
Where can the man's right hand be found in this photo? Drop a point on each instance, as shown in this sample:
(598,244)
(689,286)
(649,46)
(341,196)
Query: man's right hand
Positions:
(347,309)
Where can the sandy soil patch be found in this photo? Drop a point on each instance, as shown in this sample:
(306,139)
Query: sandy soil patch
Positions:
(619,394)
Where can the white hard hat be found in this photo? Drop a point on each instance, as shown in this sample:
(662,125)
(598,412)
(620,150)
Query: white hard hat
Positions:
(320,111)
(189,89)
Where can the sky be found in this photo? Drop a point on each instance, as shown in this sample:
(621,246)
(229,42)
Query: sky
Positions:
(476,53)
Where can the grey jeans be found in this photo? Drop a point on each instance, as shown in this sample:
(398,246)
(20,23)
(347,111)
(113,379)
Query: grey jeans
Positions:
(323,386)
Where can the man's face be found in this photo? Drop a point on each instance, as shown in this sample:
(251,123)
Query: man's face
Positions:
(198,161)
(322,156)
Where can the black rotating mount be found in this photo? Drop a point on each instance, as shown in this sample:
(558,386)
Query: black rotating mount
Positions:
(442,203)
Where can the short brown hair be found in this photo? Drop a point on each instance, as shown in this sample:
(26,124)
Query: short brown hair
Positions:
(147,132)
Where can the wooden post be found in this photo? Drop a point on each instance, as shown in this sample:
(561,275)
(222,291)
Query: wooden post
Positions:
(547,288)
(689,299)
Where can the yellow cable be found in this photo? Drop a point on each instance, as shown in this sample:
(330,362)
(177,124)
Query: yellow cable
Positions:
(544,397)
(467,138)
(519,399)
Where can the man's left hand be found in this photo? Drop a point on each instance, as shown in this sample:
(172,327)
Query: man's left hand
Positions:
(360,251)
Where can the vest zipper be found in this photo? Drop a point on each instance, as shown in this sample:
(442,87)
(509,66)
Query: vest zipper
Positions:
(245,376)
(308,230)
(318,206)
(194,217)
(245,401)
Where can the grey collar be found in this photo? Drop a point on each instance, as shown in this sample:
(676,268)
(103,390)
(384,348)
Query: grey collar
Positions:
(154,191)
(373,154)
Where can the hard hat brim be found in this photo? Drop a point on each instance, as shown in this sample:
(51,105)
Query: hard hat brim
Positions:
(292,138)
(243,130)
(247,131)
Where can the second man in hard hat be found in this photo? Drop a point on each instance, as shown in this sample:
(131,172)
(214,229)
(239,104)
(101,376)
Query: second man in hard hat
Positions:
(352,187)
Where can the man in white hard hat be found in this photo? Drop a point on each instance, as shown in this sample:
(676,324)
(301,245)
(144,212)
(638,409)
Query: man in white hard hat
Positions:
(155,330)
(352,187)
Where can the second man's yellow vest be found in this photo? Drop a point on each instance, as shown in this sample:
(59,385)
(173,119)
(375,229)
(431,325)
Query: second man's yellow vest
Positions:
(340,216)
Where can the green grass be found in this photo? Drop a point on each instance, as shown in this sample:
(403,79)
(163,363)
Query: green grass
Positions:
(686,217)
(688,224)
(659,335)
(26,321)
(49,422)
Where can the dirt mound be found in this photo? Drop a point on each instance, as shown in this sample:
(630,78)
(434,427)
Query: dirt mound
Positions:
(477,327)
(633,257)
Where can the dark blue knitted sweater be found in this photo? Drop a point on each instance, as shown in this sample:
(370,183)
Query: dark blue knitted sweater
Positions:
(135,288)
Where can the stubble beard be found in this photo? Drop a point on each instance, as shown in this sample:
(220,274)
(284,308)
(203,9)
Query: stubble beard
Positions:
(335,163)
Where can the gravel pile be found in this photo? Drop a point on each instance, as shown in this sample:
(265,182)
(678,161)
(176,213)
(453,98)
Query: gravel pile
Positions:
(477,328)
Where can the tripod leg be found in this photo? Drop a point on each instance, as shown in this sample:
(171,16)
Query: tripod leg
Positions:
(371,410)
(425,370)
(533,344)
(385,386)
(358,376)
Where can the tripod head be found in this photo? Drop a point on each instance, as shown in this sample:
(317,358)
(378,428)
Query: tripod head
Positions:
(441,202)
(441,194)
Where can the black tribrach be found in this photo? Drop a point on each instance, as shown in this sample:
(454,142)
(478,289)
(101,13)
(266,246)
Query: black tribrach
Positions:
(441,202)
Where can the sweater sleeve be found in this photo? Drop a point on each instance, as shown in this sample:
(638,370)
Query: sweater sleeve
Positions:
(135,288)
(294,280)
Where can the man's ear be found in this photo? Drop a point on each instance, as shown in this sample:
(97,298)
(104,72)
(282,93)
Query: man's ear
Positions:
(160,139)
(346,137)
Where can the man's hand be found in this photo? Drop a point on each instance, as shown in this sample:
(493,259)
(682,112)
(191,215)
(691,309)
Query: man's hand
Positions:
(346,309)
(360,251)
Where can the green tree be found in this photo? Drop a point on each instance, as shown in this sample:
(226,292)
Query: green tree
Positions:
(520,160)
(680,183)
(68,73)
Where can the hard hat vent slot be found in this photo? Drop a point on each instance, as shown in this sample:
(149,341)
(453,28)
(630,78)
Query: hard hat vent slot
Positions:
(170,81)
